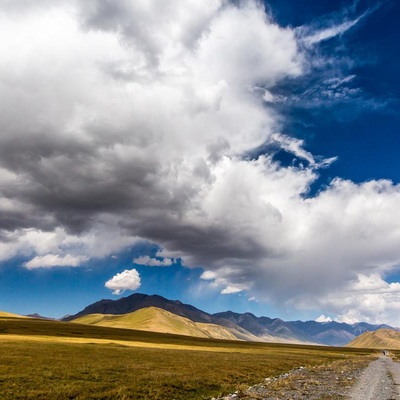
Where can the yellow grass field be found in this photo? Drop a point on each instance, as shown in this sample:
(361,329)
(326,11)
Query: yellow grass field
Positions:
(59,360)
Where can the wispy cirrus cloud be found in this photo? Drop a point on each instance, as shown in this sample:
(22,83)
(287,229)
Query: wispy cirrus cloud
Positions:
(311,37)
(296,147)
(329,78)
(333,25)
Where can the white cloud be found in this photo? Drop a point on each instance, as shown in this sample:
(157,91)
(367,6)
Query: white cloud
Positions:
(314,252)
(253,299)
(227,287)
(54,260)
(126,280)
(208,275)
(128,93)
(58,244)
(123,122)
(268,97)
(153,262)
(230,289)
(368,298)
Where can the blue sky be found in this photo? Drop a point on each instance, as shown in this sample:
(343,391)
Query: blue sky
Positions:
(232,155)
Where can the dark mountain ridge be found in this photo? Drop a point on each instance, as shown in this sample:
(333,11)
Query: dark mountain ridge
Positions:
(137,301)
(245,326)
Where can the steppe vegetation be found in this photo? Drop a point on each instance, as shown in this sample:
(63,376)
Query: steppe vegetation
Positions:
(59,360)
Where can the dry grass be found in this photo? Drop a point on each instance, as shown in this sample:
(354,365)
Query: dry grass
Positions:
(380,339)
(53,360)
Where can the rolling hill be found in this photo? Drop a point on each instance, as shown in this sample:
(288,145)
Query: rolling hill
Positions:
(380,339)
(4,314)
(154,319)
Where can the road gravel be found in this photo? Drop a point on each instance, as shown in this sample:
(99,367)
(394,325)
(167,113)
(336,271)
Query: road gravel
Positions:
(342,380)
(379,381)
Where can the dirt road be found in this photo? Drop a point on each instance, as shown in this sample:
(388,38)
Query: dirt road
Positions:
(345,379)
(379,381)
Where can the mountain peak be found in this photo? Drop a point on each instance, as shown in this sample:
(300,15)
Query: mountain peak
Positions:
(137,301)
(322,319)
(38,316)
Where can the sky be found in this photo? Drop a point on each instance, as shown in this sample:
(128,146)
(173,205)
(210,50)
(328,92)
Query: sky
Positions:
(236,155)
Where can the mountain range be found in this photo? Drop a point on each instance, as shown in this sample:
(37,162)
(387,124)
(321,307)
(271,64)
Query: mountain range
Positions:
(167,315)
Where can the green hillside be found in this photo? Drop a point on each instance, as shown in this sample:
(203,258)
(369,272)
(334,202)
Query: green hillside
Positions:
(157,320)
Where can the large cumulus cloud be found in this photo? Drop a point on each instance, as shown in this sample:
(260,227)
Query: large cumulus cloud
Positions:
(127,121)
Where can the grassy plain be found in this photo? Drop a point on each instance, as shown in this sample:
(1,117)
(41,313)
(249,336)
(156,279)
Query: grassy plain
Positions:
(58,360)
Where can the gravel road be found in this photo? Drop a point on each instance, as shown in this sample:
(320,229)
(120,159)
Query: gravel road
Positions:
(379,381)
(344,379)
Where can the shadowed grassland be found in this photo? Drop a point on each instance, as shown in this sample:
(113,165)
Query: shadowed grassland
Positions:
(55,360)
